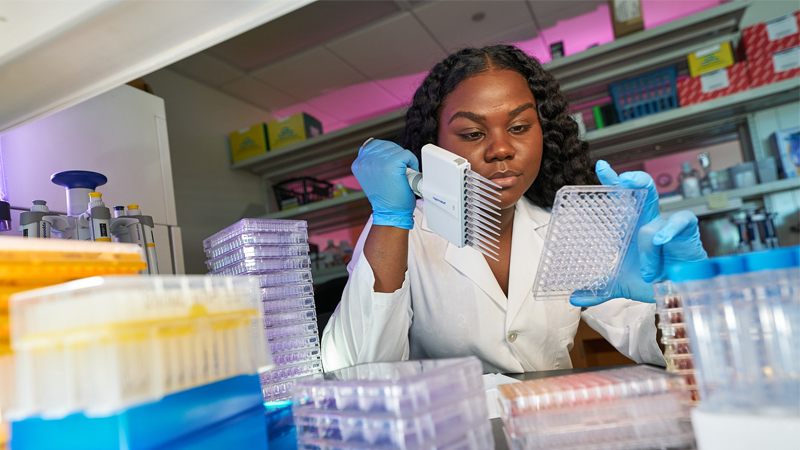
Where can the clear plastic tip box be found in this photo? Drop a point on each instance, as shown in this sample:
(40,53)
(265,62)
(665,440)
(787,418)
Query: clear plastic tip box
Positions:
(432,404)
(588,236)
(636,407)
(99,345)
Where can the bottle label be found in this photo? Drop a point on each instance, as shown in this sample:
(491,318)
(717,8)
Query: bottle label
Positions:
(691,188)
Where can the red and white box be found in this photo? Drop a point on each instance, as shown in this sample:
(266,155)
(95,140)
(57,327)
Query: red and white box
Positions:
(770,37)
(773,68)
(720,83)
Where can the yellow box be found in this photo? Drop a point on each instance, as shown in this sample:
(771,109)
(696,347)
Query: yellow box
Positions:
(709,59)
(295,128)
(249,142)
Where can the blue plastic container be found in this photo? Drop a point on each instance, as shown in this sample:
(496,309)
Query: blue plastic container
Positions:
(280,426)
(245,431)
(150,426)
(646,94)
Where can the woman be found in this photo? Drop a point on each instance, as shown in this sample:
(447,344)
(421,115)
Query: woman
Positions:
(411,294)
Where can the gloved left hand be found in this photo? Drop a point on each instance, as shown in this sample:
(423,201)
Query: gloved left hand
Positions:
(655,245)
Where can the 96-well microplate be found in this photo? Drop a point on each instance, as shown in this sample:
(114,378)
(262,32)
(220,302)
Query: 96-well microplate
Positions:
(589,233)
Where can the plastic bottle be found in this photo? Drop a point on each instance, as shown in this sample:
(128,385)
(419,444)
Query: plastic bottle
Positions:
(332,255)
(689,181)
(347,251)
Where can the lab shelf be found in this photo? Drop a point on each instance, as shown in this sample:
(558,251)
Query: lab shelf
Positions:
(689,123)
(700,205)
(339,212)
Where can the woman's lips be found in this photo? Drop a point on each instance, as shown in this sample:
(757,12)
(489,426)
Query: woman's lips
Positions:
(506,182)
(505,179)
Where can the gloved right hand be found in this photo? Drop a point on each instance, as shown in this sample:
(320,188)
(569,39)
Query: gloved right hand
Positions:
(381,170)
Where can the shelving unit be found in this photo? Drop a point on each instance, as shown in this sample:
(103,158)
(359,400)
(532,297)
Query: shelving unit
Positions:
(736,197)
(584,76)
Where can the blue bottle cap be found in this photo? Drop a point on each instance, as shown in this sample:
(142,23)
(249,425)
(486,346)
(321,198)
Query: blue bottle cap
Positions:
(731,265)
(82,179)
(692,271)
(769,260)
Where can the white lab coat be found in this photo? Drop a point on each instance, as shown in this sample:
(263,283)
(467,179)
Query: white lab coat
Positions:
(450,305)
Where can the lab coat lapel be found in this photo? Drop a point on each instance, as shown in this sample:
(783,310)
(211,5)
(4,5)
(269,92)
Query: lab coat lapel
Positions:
(526,249)
(472,264)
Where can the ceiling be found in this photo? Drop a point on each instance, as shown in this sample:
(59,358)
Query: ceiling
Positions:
(332,44)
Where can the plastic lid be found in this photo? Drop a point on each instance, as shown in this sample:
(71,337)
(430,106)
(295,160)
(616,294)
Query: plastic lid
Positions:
(691,271)
(83,179)
(95,195)
(731,265)
(772,259)
(119,208)
(133,206)
(686,166)
(39,202)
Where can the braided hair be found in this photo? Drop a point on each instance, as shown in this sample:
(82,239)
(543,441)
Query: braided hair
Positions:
(565,158)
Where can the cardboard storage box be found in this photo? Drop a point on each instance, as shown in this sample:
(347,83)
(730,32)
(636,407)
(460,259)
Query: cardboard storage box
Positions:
(720,83)
(772,36)
(773,68)
(289,130)
(249,142)
(626,16)
(710,59)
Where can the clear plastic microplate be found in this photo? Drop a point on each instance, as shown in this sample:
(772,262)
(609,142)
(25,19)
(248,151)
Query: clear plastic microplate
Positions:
(308,328)
(589,233)
(255,226)
(282,390)
(257,239)
(257,266)
(119,341)
(287,304)
(293,371)
(288,318)
(269,279)
(286,291)
(293,343)
(477,436)
(297,356)
(379,431)
(398,389)
(257,251)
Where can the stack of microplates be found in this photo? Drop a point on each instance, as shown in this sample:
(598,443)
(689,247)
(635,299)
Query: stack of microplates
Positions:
(276,252)
(677,351)
(27,264)
(135,362)
(588,236)
(408,405)
(637,407)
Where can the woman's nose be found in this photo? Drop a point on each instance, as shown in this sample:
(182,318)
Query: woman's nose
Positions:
(499,149)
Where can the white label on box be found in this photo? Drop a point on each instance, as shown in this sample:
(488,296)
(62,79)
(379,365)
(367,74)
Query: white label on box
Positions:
(714,81)
(786,60)
(781,27)
(707,50)
(625,10)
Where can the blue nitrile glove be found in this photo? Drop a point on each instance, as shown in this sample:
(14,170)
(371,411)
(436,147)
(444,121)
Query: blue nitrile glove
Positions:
(656,243)
(381,170)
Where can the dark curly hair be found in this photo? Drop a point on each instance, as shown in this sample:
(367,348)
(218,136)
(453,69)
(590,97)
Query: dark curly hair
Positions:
(565,158)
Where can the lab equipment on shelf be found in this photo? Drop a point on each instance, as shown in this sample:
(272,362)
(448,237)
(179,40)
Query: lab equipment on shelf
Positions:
(121,341)
(275,252)
(395,405)
(647,94)
(590,230)
(632,407)
(88,218)
(689,180)
(295,192)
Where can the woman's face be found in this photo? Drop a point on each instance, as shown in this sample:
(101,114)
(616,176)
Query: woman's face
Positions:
(491,120)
